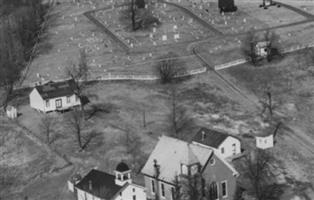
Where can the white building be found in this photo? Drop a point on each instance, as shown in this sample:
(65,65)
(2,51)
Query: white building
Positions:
(222,143)
(11,112)
(54,96)
(98,185)
(265,141)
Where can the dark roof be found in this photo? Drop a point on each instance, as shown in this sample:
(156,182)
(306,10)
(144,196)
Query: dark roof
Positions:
(103,184)
(122,167)
(53,90)
(211,138)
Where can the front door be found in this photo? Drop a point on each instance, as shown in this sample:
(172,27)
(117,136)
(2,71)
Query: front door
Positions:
(58,103)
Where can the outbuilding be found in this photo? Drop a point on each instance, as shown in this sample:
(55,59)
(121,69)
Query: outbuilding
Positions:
(54,96)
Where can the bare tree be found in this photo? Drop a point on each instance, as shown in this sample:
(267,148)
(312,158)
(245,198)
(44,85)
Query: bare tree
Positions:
(176,192)
(140,14)
(178,116)
(273,46)
(169,67)
(47,125)
(76,124)
(78,73)
(248,47)
(259,175)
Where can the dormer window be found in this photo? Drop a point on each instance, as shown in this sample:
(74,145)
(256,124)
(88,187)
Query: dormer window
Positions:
(194,169)
(184,169)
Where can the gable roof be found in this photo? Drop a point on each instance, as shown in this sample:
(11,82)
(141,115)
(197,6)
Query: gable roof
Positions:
(170,153)
(211,138)
(56,89)
(103,184)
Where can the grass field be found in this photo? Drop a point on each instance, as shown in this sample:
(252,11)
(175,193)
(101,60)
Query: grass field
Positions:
(23,163)
(291,84)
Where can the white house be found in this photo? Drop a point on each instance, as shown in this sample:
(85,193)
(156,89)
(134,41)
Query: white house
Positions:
(98,185)
(222,143)
(265,141)
(54,96)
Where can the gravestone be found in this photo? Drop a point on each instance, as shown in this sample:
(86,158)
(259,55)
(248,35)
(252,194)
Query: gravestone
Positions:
(164,38)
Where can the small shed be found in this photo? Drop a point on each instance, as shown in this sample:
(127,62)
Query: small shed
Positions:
(265,141)
(11,112)
(262,48)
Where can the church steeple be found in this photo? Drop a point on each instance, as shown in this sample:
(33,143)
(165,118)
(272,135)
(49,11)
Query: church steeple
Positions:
(123,174)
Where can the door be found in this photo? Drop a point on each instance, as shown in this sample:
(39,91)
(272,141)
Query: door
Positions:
(58,103)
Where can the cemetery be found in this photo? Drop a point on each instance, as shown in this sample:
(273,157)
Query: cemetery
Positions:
(176,26)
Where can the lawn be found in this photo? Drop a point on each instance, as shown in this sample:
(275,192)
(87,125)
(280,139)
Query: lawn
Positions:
(22,162)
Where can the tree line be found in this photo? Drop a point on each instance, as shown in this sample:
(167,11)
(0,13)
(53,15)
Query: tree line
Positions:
(21,24)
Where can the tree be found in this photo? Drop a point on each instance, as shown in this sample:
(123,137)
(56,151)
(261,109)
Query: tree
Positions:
(78,74)
(139,14)
(11,61)
(273,45)
(47,124)
(178,116)
(258,170)
(76,124)
(169,68)
(248,47)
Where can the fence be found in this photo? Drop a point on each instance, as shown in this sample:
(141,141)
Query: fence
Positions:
(242,61)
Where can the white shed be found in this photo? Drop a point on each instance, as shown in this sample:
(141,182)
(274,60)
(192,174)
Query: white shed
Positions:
(265,141)
(11,112)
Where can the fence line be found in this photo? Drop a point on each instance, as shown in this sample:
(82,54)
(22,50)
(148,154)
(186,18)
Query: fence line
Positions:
(242,60)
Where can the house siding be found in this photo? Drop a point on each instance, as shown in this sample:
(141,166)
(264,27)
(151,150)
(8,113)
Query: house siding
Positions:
(219,172)
(228,149)
(36,101)
(149,192)
(82,195)
(128,193)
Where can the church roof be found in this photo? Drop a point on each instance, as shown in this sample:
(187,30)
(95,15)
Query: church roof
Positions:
(99,184)
(122,167)
(170,153)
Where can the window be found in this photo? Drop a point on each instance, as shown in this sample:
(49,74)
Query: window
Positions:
(194,169)
(47,103)
(162,190)
(76,98)
(153,186)
(213,190)
(134,197)
(173,193)
(68,99)
(133,189)
(120,193)
(234,150)
(222,150)
(224,188)
(212,161)
(119,177)
(184,169)
(265,141)
(58,103)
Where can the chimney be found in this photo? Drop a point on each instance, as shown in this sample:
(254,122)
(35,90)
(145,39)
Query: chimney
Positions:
(90,185)
(203,135)
(157,168)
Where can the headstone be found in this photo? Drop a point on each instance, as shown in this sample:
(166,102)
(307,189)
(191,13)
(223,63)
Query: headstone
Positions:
(154,30)
(164,38)
(175,27)
(176,36)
